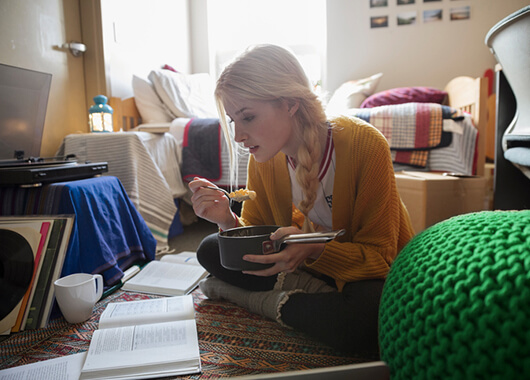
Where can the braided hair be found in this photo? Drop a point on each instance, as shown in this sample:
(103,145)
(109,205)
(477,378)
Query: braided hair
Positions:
(270,73)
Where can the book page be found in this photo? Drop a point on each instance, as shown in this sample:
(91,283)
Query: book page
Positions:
(118,314)
(63,368)
(166,278)
(185,257)
(130,350)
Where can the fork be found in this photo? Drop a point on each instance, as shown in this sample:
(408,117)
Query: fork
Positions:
(218,189)
(235,198)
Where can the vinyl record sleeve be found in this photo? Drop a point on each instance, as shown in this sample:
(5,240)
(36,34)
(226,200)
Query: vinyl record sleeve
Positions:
(17,259)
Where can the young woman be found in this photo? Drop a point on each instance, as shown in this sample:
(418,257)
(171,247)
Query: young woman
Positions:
(309,173)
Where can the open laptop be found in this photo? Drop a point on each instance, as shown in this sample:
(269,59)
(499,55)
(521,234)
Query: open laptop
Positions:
(364,371)
(23,102)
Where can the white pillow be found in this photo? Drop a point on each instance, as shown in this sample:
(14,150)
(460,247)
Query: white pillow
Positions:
(185,95)
(149,104)
(352,93)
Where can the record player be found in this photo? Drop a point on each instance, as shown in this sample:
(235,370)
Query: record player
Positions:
(23,101)
(36,172)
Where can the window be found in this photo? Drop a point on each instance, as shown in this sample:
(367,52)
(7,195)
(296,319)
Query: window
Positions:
(299,25)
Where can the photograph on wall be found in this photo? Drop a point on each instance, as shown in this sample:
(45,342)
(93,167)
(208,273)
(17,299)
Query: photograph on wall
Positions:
(405,2)
(460,13)
(379,22)
(432,15)
(431,1)
(378,3)
(406,18)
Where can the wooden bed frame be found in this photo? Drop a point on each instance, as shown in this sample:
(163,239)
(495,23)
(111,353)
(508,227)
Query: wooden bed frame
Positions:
(126,115)
(471,95)
(464,93)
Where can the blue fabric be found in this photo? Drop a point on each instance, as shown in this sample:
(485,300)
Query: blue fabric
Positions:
(176,227)
(518,155)
(108,234)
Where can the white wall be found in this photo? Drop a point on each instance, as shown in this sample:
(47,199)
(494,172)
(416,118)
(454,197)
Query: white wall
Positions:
(200,61)
(139,36)
(424,54)
(30,32)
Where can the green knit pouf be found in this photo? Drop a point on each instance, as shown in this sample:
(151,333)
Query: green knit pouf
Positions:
(456,303)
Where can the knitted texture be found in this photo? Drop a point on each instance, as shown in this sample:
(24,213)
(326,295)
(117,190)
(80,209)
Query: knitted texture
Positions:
(456,303)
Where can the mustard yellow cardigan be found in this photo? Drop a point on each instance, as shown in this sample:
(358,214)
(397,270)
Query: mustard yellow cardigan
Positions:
(366,204)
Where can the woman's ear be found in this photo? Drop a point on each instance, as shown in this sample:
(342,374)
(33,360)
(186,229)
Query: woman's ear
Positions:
(292,106)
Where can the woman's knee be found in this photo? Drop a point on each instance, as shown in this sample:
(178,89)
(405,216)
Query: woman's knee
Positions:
(209,257)
(208,251)
(347,320)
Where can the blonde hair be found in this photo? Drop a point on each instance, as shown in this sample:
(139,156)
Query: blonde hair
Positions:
(271,73)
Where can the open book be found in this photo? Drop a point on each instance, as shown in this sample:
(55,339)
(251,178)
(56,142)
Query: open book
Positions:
(144,339)
(172,275)
(64,367)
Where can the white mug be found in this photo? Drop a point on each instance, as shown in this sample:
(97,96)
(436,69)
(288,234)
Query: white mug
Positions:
(77,294)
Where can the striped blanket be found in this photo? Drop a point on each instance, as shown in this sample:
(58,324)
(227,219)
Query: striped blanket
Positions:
(201,150)
(412,129)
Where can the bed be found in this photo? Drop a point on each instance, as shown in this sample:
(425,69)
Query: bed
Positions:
(452,128)
(182,106)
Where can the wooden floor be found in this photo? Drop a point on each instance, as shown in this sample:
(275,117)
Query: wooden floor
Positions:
(195,229)
(192,236)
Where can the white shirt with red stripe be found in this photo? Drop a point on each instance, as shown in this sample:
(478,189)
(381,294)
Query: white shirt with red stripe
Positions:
(320,214)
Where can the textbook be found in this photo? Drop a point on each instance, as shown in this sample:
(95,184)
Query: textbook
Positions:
(172,275)
(144,339)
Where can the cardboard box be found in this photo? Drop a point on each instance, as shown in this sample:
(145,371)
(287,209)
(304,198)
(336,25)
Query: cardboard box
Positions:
(433,197)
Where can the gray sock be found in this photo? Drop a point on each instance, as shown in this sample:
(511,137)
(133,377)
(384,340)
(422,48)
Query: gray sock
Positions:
(267,303)
(302,280)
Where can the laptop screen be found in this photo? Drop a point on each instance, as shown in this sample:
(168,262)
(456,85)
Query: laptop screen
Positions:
(23,101)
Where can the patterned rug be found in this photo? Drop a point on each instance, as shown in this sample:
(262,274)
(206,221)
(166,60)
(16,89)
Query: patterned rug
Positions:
(232,341)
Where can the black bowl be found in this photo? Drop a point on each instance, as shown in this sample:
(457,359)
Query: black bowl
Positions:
(237,242)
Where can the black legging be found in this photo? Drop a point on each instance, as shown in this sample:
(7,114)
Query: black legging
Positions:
(346,320)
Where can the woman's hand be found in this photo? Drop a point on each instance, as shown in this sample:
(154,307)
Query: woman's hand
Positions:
(288,259)
(211,205)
